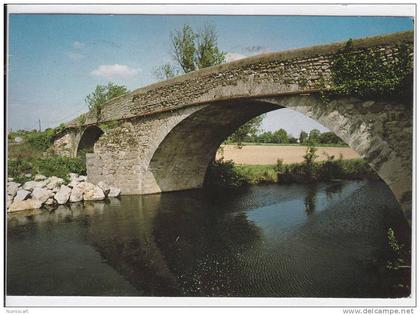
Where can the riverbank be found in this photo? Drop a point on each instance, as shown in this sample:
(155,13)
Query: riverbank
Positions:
(223,174)
(268,154)
(50,192)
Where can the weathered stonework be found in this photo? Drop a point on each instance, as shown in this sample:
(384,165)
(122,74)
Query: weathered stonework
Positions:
(295,71)
(65,145)
(172,129)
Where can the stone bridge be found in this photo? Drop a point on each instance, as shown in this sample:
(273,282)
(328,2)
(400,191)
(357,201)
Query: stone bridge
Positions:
(163,136)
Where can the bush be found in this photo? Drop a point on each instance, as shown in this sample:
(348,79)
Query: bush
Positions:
(41,141)
(331,169)
(310,167)
(223,175)
(35,156)
(52,166)
(59,166)
(256,174)
(366,75)
(357,169)
(17,168)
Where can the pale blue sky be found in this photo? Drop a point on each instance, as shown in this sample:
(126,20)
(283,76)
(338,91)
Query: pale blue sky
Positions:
(56,60)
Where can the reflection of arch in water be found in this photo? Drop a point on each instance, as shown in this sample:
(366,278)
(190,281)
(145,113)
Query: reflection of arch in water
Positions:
(201,245)
(129,245)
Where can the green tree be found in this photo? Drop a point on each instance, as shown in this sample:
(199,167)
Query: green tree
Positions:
(302,137)
(309,164)
(265,137)
(196,50)
(208,54)
(102,94)
(280,136)
(291,139)
(247,130)
(313,137)
(329,138)
(166,71)
(184,48)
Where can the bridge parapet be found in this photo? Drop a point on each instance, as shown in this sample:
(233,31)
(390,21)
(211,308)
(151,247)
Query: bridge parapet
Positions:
(295,71)
(169,131)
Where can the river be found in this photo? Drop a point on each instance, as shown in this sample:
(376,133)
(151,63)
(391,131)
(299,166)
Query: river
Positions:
(324,240)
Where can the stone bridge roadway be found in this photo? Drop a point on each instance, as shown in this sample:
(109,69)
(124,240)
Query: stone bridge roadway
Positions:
(163,136)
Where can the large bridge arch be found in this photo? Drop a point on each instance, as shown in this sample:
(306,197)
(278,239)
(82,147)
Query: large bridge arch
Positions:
(181,159)
(137,157)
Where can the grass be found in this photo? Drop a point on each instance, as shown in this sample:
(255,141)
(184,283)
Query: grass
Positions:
(295,173)
(324,145)
(224,175)
(256,174)
(32,156)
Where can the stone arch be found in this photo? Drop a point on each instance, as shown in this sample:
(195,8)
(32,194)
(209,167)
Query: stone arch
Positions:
(88,138)
(181,159)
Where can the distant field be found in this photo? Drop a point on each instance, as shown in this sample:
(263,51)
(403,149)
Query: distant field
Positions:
(268,154)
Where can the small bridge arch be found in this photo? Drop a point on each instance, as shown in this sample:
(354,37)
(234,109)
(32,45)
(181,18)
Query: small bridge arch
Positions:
(88,138)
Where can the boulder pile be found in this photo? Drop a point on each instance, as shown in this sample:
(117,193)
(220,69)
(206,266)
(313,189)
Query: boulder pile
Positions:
(50,192)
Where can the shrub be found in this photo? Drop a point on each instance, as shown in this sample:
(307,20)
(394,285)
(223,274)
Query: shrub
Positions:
(255,174)
(41,140)
(223,175)
(51,166)
(17,168)
(331,169)
(367,75)
(310,166)
(59,166)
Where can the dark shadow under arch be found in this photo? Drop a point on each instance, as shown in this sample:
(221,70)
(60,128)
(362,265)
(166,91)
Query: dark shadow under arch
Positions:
(88,139)
(181,160)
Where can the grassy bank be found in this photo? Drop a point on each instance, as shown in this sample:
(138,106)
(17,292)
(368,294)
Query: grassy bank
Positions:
(32,155)
(297,172)
(327,145)
(227,175)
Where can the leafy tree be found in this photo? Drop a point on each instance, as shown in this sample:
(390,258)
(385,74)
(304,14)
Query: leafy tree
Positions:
(184,49)
(247,130)
(309,164)
(329,138)
(166,71)
(265,137)
(280,136)
(303,136)
(191,51)
(208,54)
(102,94)
(313,137)
(292,139)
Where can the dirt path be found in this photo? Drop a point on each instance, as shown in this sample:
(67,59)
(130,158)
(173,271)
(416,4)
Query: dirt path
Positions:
(268,155)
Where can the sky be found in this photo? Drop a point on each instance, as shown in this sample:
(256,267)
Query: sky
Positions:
(55,61)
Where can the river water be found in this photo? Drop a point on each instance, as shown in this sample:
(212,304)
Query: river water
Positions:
(324,240)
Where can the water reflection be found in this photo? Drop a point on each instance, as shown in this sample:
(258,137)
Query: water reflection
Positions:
(334,189)
(202,246)
(310,202)
(255,243)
